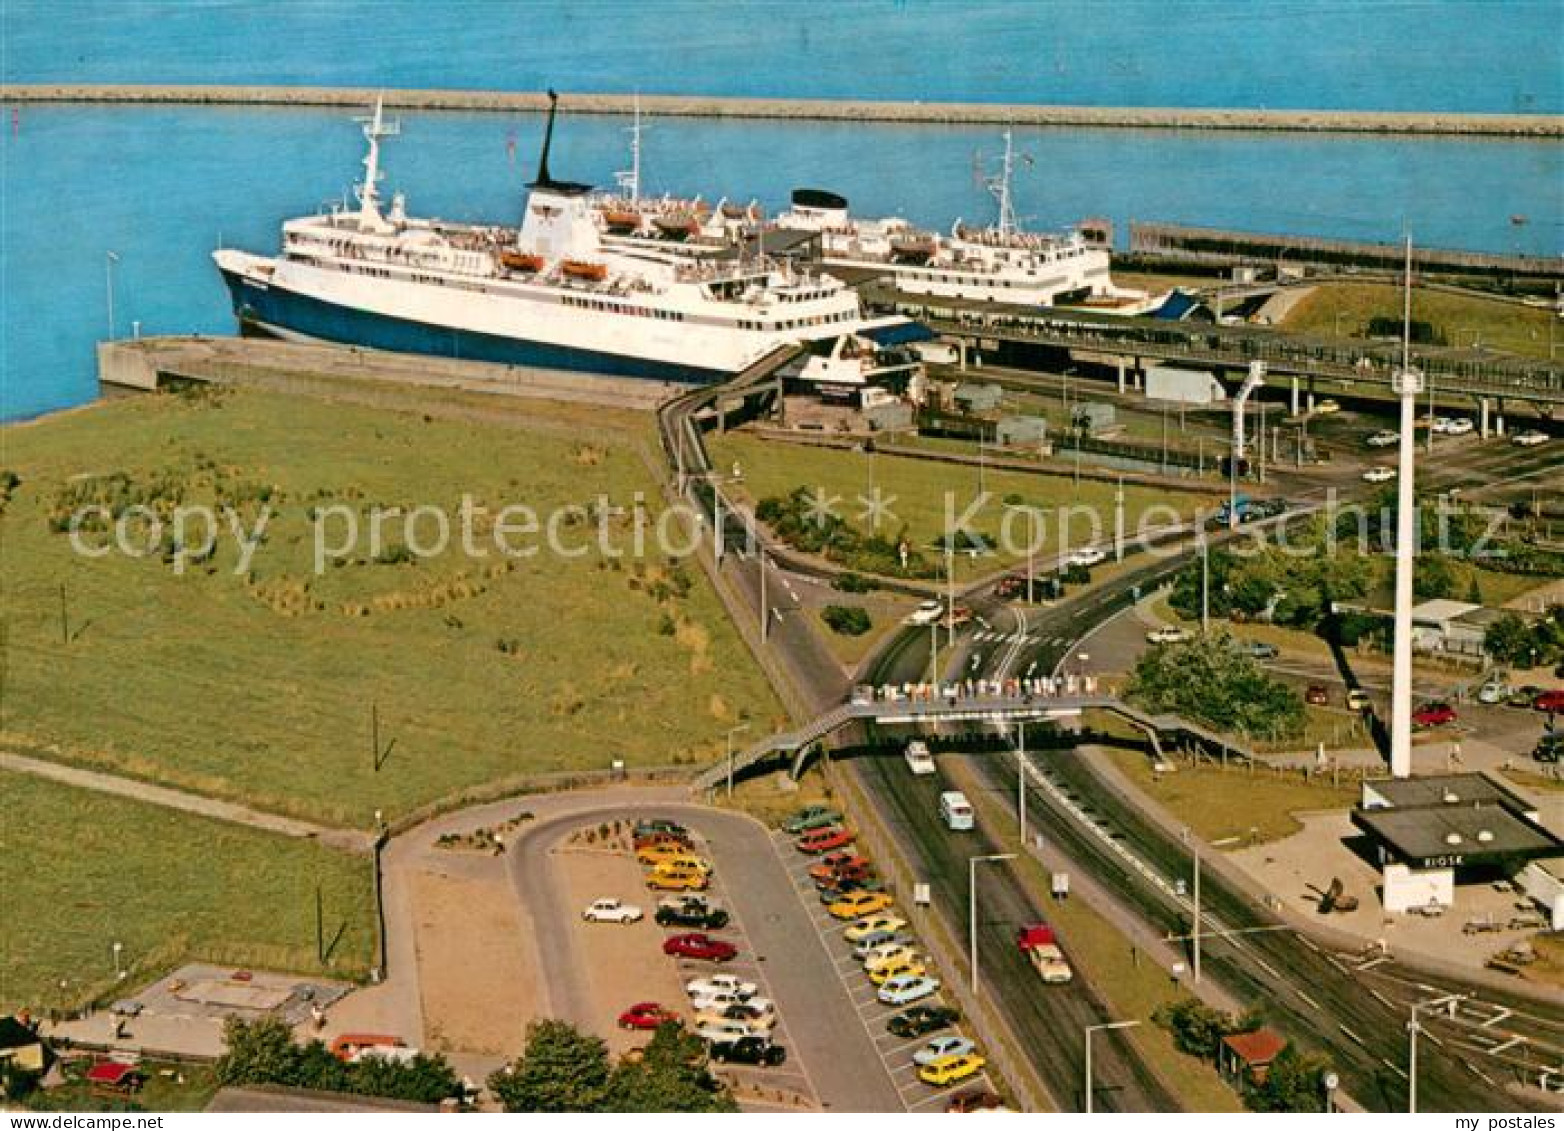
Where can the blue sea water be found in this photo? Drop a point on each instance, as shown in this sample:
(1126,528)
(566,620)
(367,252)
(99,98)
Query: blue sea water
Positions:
(160,187)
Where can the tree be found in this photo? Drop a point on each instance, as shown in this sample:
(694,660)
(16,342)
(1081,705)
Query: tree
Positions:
(846,620)
(671,1075)
(1294,1082)
(259,1052)
(1434,577)
(1197,1028)
(1207,680)
(560,1069)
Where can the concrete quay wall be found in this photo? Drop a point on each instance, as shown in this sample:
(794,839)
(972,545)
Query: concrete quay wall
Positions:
(1127,117)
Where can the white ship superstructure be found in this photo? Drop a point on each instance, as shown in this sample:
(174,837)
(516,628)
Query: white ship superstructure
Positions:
(1000,264)
(554,293)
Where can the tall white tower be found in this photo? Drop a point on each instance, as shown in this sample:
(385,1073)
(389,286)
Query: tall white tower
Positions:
(1407,384)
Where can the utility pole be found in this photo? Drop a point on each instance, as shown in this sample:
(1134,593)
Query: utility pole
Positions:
(950,590)
(1196,963)
(972,916)
(1021,780)
(1118,523)
(765,613)
(1413,1030)
(1090,1029)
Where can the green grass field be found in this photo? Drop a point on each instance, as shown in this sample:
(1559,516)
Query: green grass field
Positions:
(261,687)
(1461,318)
(918,491)
(80,871)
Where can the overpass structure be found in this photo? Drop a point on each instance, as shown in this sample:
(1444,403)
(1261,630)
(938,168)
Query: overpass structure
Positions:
(992,710)
(1454,375)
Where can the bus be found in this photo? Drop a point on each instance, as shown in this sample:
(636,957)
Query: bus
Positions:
(956,811)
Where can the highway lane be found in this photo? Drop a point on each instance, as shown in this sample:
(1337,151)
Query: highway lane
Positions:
(1049,1020)
(1295,982)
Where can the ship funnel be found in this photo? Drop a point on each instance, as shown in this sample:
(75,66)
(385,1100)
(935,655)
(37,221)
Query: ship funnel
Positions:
(543,179)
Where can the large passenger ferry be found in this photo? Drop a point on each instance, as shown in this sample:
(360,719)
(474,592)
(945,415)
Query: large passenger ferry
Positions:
(553,294)
(1000,263)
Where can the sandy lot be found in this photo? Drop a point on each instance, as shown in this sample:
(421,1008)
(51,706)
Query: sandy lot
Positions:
(474,966)
(1293,869)
(624,963)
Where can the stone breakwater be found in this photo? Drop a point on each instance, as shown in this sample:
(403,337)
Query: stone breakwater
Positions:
(939,113)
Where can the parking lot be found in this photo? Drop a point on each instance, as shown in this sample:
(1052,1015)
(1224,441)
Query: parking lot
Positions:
(895,1052)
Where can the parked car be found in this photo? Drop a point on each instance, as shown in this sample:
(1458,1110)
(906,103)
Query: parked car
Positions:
(701,946)
(687,911)
(1358,700)
(1550,701)
(1494,690)
(757,1051)
(648,840)
(811,817)
(659,880)
(722,1000)
(942,1047)
(927,613)
(658,825)
(951,1070)
(921,1019)
(1459,426)
(1384,438)
(729,984)
(887,954)
(1258,649)
(612,911)
(976,1100)
(1326,406)
(857,878)
(1531,438)
(756,1022)
(1317,695)
(1524,696)
(834,862)
(870,924)
(1379,475)
(1433,715)
(1087,558)
(824,840)
(906,990)
(858,904)
(862,950)
(1168,634)
(663,852)
(646,1015)
(722,1032)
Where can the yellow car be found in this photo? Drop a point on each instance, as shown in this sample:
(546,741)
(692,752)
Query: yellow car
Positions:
(951,1069)
(902,967)
(860,903)
(687,880)
(658,853)
(886,956)
(873,925)
(684,862)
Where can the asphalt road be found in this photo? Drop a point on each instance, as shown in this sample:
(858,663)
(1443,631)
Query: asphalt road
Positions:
(829,1042)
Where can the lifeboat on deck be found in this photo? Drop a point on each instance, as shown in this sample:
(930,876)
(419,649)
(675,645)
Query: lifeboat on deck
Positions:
(678,226)
(621,221)
(581,269)
(521,261)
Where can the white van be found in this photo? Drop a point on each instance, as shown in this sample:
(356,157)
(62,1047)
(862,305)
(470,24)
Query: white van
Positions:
(955,810)
(919,760)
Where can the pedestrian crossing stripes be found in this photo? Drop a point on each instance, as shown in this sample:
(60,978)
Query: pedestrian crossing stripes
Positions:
(1005,638)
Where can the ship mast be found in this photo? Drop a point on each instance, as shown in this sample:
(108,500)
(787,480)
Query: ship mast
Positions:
(375,128)
(630,180)
(1000,187)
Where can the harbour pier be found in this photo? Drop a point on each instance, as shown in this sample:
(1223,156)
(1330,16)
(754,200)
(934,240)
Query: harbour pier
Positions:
(803,109)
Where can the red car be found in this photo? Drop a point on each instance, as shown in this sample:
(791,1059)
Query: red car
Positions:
(1433,715)
(1550,701)
(844,878)
(646,1015)
(836,862)
(700,946)
(824,840)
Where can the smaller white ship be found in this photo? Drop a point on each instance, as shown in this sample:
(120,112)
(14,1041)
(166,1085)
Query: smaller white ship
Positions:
(999,264)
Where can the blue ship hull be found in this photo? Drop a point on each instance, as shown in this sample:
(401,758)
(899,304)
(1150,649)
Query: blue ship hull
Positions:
(265,309)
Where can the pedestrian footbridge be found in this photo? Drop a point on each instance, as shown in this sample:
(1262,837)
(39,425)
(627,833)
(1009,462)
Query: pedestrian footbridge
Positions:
(929,708)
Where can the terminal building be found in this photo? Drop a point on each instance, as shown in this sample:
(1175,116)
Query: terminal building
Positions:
(1431,834)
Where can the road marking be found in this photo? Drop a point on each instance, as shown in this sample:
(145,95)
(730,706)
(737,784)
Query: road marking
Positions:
(1350,1034)
(1509,1044)
(1502,1015)
(1382,999)
(1310,1000)
(1267,967)
(1396,1068)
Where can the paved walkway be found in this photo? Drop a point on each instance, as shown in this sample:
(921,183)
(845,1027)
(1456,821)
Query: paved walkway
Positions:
(349,840)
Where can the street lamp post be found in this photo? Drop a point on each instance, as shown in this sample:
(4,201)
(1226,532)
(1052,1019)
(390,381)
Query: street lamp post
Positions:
(740,729)
(972,920)
(1413,1029)
(1090,1029)
(119,971)
(109,260)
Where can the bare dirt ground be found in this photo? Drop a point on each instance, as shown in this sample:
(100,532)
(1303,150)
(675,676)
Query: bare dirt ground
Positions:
(624,963)
(478,987)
